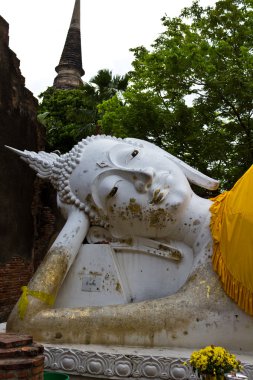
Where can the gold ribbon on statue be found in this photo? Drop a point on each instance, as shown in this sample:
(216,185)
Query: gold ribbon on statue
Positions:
(232,232)
(23,302)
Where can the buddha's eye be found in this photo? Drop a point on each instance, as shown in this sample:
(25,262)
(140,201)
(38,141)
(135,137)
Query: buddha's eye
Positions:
(112,192)
(134,153)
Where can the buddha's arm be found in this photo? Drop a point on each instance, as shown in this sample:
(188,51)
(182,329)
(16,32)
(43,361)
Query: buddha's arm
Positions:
(49,276)
(136,323)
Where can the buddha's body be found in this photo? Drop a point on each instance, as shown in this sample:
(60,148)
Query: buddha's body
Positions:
(134,192)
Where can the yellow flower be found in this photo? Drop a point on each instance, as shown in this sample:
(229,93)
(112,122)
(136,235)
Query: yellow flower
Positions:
(213,360)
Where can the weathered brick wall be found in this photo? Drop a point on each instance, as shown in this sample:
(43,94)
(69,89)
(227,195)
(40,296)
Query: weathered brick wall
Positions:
(13,274)
(27,204)
(47,219)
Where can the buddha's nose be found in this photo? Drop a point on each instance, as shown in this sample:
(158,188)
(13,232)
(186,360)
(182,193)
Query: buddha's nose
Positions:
(143,179)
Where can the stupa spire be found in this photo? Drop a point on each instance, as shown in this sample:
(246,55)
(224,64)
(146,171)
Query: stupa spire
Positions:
(70,68)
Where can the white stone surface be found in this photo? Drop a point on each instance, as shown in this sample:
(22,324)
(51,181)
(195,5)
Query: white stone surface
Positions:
(92,280)
(106,275)
(245,357)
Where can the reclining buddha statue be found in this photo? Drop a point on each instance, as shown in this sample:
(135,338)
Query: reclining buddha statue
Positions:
(141,260)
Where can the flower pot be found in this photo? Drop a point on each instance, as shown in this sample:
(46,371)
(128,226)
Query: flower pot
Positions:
(212,377)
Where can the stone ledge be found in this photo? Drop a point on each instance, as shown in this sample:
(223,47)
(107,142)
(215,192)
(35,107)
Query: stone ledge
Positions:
(94,361)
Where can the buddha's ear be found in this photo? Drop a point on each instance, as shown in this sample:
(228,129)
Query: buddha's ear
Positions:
(41,162)
(193,175)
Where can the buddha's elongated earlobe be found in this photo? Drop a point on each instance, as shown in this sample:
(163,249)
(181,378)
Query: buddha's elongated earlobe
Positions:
(193,175)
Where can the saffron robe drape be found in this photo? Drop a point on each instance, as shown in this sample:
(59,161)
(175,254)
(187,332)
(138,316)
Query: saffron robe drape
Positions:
(232,231)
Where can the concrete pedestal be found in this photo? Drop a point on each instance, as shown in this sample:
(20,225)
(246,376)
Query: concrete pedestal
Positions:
(94,361)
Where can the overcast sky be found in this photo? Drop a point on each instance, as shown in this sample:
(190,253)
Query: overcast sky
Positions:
(38,28)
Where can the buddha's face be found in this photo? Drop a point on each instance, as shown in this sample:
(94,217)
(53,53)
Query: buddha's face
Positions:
(138,189)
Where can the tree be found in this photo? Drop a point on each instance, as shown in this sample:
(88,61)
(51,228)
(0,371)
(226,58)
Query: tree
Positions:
(194,89)
(70,115)
(104,85)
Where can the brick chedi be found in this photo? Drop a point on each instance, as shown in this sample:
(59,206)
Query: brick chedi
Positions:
(70,68)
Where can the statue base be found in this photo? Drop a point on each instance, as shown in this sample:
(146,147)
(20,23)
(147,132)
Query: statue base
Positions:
(118,362)
(110,362)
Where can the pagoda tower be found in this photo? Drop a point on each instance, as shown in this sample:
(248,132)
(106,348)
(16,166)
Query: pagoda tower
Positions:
(70,68)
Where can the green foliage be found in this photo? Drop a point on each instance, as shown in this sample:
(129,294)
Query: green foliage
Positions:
(70,115)
(192,93)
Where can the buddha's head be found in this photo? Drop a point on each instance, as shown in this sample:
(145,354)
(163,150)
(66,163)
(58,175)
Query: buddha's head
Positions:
(131,187)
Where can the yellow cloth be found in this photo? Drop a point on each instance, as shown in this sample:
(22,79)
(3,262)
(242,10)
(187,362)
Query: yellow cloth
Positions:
(232,231)
(23,302)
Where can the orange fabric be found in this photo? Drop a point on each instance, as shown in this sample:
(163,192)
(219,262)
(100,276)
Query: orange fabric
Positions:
(232,231)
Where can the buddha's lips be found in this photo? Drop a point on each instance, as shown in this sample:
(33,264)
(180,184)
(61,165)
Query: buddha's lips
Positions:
(161,187)
(159,195)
